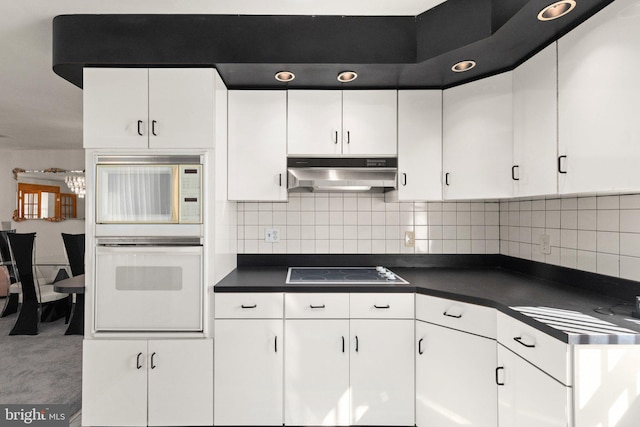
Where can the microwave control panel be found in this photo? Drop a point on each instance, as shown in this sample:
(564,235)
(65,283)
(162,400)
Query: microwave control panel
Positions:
(191,194)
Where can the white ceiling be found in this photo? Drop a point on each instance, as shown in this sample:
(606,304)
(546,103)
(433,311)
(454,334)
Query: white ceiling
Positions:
(39,110)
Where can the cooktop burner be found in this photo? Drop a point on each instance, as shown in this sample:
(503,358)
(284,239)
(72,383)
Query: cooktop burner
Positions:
(340,275)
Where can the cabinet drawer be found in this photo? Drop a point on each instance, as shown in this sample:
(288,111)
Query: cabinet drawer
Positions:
(316,305)
(249,305)
(465,317)
(547,353)
(382,306)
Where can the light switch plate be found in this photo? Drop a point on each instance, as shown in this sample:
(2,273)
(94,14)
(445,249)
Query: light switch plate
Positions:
(272,235)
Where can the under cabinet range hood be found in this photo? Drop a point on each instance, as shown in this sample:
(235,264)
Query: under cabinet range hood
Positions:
(342,174)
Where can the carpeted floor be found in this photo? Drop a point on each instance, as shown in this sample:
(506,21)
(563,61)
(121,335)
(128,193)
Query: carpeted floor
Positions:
(40,369)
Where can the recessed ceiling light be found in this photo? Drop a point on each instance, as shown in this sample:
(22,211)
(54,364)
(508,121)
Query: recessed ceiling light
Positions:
(285,76)
(347,76)
(463,66)
(556,10)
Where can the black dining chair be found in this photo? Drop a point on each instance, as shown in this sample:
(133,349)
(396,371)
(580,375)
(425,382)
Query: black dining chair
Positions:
(22,250)
(74,246)
(11,301)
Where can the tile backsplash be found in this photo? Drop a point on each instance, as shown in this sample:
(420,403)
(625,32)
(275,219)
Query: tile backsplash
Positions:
(597,234)
(363,223)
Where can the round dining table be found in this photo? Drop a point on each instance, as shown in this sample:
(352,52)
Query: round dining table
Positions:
(74,285)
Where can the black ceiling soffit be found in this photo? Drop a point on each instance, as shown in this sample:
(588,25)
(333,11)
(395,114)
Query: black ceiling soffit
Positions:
(386,51)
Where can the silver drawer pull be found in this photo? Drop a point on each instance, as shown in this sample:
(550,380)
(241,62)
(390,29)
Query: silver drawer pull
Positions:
(519,341)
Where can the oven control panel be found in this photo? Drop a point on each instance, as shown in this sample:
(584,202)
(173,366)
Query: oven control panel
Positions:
(191,194)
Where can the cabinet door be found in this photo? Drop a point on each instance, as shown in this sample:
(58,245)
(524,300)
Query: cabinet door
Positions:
(115,107)
(370,122)
(598,95)
(527,396)
(180,382)
(114,383)
(314,123)
(382,372)
(477,139)
(316,375)
(535,125)
(181,108)
(257,145)
(419,145)
(455,378)
(248,372)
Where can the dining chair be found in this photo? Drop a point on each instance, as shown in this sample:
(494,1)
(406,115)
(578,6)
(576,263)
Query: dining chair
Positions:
(21,245)
(74,247)
(11,300)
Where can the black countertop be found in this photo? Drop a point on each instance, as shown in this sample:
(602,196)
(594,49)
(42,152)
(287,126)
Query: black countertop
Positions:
(489,286)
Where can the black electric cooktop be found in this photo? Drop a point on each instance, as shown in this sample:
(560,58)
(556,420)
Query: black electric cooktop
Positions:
(340,275)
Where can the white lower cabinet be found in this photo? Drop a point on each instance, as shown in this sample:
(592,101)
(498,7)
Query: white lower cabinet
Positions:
(529,397)
(455,378)
(382,372)
(316,375)
(248,372)
(140,383)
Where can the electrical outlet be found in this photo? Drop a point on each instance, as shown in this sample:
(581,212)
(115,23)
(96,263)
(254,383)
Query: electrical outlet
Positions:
(409,239)
(545,244)
(272,235)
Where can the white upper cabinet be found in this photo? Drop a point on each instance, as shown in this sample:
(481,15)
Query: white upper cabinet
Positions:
(477,139)
(257,145)
(598,102)
(314,123)
(181,107)
(535,125)
(336,123)
(419,145)
(370,122)
(148,108)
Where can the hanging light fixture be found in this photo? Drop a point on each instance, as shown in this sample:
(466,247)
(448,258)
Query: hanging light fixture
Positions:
(77,184)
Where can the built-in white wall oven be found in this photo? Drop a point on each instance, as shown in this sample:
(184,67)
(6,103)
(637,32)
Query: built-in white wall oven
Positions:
(156,189)
(149,284)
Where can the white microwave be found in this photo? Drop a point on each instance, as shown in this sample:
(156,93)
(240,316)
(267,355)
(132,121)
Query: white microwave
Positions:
(149,190)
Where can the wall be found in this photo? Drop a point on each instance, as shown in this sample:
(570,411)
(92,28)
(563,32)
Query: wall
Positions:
(597,234)
(363,223)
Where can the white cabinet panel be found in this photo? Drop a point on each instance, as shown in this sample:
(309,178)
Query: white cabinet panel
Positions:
(257,143)
(382,305)
(370,122)
(115,107)
(527,397)
(535,125)
(249,305)
(114,383)
(314,123)
(477,139)
(248,372)
(598,102)
(455,378)
(316,306)
(316,375)
(382,372)
(465,317)
(181,108)
(420,145)
(180,382)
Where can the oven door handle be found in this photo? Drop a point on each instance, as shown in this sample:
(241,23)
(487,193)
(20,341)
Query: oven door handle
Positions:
(149,241)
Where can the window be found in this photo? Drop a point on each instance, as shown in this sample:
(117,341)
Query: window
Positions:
(44,201)
(68,205)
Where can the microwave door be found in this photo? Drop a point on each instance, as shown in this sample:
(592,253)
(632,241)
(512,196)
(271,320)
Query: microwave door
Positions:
(137,194)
